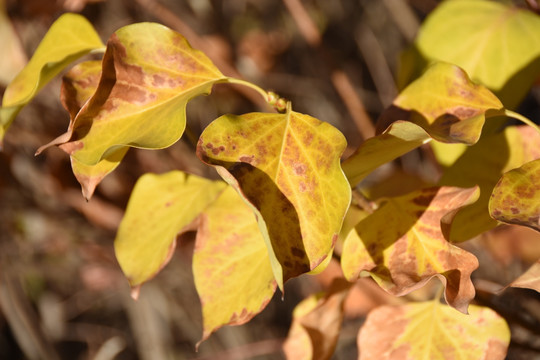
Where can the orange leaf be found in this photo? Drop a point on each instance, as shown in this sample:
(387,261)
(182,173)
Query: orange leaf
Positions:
(317,324)
(530,279)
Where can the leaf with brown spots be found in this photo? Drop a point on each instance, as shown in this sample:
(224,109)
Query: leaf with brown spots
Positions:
(530,279)
(445,103)
(160,207)
(316,324)
(516,197)
(483,164)
(69,38)
(402,245)
(286,167)
(398,139)
(149,74)
(434,331)
(78,85)
(231,266)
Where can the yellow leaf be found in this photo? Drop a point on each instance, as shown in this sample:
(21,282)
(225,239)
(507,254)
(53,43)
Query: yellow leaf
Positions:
(286,167)
(530,279)
(231,266)
(317,324)
(160,207)
(516,197)
(494,42)
(433,331)
(445,103)
(78,85)
(398,139)
(482,165)
(69,38)
(149,74)
(402,245)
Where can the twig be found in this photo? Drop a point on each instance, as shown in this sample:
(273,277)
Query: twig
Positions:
(377,64)
(403,17)
(339,78)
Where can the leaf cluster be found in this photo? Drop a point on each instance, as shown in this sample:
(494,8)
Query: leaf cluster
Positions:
(286,204)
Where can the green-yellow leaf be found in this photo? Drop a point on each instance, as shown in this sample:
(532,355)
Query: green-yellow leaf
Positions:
(482,165)
(516,197)
(160,207)
(286,167)
(398,139)
(433,331)
(149,74)
(530,279)
(445,103)
(402,245)
(494,42)
(316,324)
(69,38)
(231,266)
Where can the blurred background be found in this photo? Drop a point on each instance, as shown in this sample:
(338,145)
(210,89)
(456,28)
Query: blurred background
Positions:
(62,293)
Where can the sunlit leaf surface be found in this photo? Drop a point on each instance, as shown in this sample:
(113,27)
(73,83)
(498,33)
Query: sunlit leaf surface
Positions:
(445,103)
(317,324)
(231,266)
(482,165)
(530,279)
(286,166)
(69,38)
(159,208)
(402,245)
(491,40)
(149,74)
(516,197)
(398,139)
(433,331)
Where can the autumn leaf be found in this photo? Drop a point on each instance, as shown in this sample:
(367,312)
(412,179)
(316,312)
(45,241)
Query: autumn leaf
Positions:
(402,245)
(398,139)
(149,74)
(433,331)
(316,324)
(286,167)
(78,85)
(160,207)
(474,33)
(483,164)
(530,279)
(516,197)
(445,103)
(69,38)
(231,266)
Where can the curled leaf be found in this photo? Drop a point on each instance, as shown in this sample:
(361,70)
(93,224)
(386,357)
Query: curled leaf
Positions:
(516,197)
(530,279)
(445,103)
(316,324)
(429,330)
(69,38)
(231,266)
(402,245)
(286,167)
(160,207)
(149,74)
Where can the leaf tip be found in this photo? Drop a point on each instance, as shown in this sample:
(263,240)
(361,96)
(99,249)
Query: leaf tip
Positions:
(135,292)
